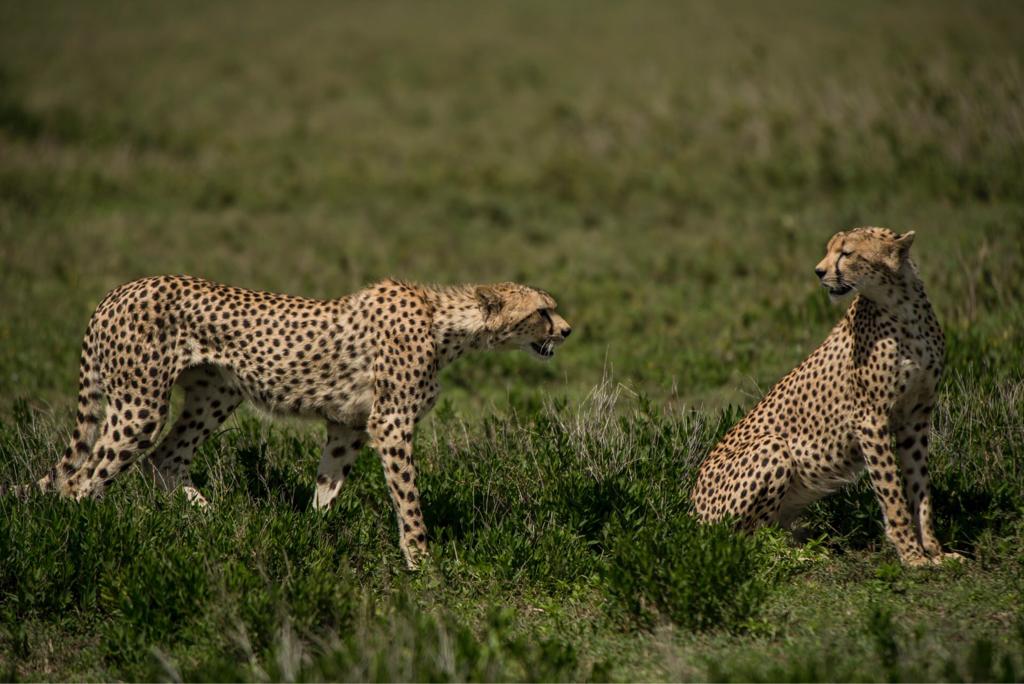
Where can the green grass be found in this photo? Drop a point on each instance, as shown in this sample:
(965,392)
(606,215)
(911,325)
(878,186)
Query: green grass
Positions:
(671,173)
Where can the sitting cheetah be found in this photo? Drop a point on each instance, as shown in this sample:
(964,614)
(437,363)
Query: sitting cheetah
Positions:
(367,364)
(871,382)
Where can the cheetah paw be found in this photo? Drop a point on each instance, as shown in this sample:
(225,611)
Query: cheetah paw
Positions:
(195,497)
(915,560)
(951,556)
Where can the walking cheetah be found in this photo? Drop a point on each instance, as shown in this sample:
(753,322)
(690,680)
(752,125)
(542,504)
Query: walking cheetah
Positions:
(871,384)
(367,364)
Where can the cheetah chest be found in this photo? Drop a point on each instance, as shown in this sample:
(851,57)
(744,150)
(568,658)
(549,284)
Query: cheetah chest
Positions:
(916,378)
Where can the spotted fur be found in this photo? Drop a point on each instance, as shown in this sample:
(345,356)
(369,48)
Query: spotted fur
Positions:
(366,364)
(864,398)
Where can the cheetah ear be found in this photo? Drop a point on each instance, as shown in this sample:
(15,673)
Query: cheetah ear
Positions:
(490,300)
(901,250)
(904,241)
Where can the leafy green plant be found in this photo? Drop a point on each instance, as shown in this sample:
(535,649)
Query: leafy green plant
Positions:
(698,576)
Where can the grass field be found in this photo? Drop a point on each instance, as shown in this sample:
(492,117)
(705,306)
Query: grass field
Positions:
(670,172)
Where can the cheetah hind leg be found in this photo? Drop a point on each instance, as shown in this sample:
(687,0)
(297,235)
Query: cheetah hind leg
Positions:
(128,430)
(209,401)
(91,412)
(765,486)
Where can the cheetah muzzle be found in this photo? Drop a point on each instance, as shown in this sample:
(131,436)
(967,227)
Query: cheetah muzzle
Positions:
(861,400)
(366,364)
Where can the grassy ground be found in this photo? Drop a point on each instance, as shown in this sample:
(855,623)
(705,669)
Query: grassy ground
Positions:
(670,172)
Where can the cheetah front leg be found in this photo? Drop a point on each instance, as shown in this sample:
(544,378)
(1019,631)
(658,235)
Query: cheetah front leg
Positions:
(883,469)
(390,433)
(912,447)
(339,454)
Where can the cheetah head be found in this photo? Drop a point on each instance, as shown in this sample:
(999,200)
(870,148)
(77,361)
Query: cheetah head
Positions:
(863,259)
(521,317)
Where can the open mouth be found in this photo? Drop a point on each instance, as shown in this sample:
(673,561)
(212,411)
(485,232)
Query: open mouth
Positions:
(546,350)
(839,290)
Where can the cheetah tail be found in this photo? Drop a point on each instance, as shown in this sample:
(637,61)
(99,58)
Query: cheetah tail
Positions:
(17,491)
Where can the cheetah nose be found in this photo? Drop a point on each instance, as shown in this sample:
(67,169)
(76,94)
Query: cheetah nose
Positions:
(566,332)
(820,272)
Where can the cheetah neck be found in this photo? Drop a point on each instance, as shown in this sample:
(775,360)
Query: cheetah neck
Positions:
(903,298)
(458,325)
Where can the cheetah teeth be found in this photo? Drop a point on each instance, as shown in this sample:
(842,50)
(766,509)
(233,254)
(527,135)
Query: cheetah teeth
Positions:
(546,350)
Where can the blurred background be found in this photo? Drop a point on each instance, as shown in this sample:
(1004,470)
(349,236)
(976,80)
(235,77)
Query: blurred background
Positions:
(670,171)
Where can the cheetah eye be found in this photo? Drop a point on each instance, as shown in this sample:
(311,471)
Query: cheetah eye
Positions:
(845,254)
